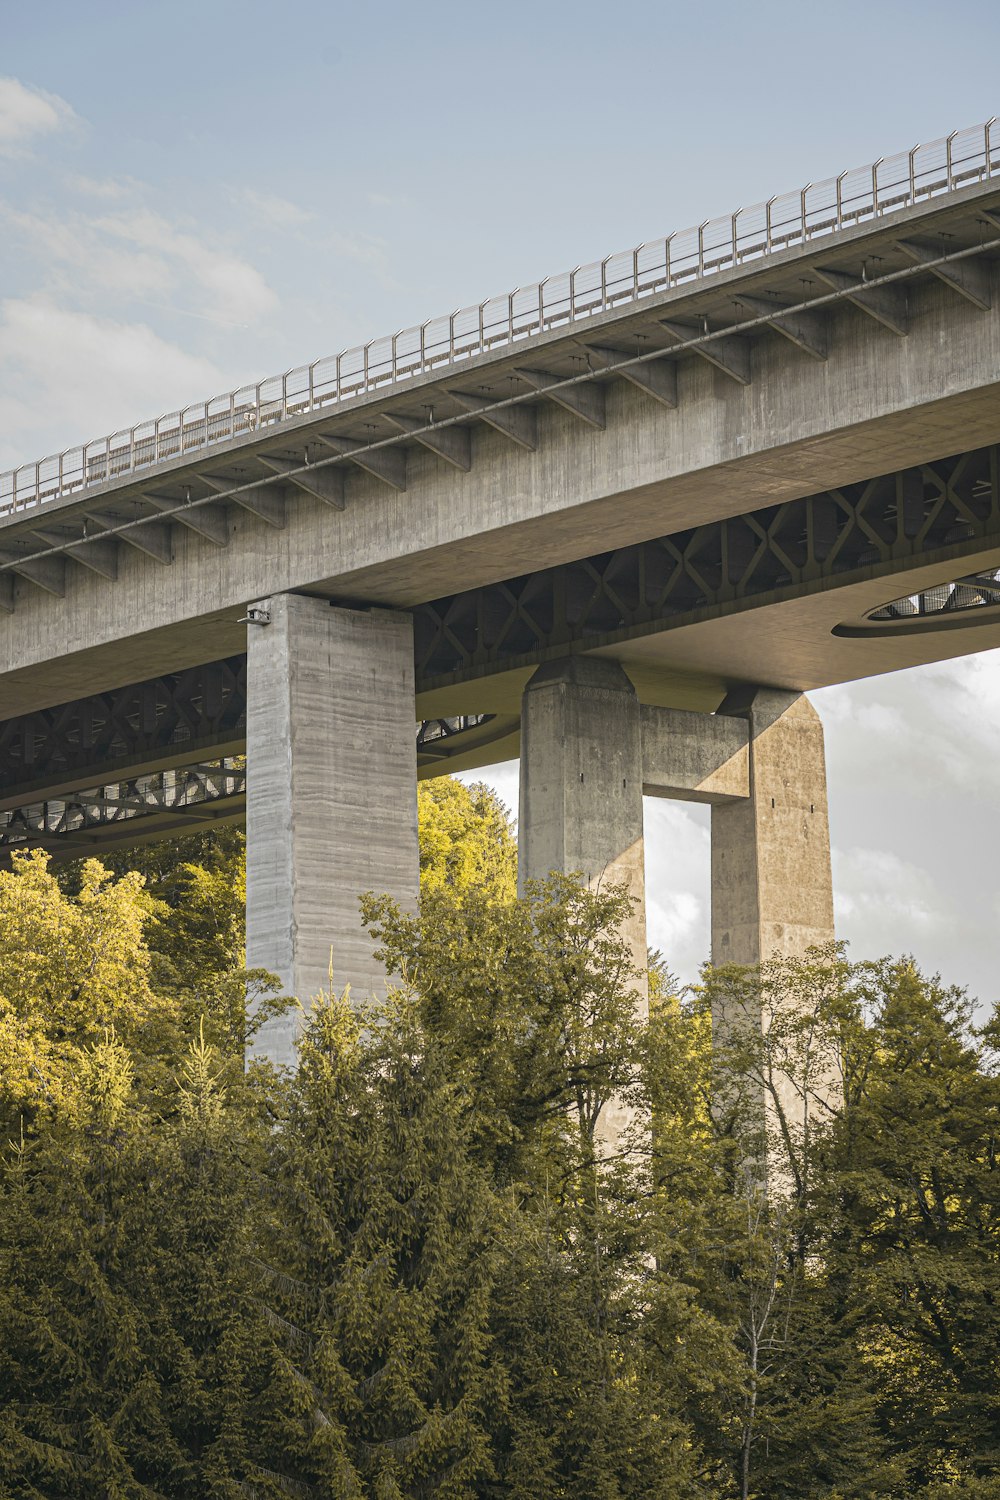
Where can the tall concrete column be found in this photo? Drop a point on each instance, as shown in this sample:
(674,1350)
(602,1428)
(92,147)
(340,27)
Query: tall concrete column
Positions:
(331,795)
(581,783)
(772,891)
(772,894)
(581,802)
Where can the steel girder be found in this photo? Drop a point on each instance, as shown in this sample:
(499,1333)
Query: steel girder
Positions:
(162,803)
(884,525)
(167,720)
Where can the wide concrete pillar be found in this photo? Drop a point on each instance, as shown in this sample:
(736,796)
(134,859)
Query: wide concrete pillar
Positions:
(772,891)
(331,795)
(581,784)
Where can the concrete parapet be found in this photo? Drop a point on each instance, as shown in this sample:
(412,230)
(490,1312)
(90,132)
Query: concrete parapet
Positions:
(331,795)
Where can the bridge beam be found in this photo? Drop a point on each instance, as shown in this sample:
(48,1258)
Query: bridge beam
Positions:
(331,806)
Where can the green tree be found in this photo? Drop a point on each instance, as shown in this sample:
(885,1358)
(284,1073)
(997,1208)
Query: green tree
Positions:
(379,1267)
(911,1204)
(70,969)
(532,1003)
(466,839)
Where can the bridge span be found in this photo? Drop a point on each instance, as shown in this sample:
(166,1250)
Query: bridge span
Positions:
(617,523)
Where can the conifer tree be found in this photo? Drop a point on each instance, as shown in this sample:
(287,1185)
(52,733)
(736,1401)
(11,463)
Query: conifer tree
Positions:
(378,1269)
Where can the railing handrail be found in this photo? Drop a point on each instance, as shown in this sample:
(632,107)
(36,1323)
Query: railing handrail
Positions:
(886,186)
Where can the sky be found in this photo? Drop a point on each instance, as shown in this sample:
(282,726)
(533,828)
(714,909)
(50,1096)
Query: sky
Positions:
(197,195)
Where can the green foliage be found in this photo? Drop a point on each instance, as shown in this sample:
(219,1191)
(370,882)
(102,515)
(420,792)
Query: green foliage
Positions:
(69,970)
(379,1266)
(422,1266)
(466,840)
(532,1004)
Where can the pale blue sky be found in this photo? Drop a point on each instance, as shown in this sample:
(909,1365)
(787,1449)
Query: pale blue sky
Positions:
(196,195)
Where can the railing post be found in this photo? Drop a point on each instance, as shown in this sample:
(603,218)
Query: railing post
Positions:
(875,167)
(947,156)
(767,223)
(701,247)
(913,175)
(840,200)
(604,284)
(541,305)
(666,258)
(802,210)
(735,235)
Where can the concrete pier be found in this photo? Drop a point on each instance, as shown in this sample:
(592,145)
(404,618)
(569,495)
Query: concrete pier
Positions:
(331,804)
(772,890)
(581,803)
(581,782)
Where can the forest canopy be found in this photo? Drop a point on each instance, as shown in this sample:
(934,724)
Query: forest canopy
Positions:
(413,1269)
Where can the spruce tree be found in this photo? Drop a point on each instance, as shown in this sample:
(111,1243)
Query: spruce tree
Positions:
(378,1268)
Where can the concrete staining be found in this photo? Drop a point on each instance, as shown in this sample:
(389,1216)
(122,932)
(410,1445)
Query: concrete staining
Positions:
(317,837)
(772,889)
(588,752)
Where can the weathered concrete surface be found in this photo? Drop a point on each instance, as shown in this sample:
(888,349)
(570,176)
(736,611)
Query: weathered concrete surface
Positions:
(581,799)
(694,757)
(772,890)
(331,798)
(878,402)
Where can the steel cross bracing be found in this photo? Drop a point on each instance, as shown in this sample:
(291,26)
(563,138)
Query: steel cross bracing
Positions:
(886,525)
(159,804)
(180,717)
(865,195)
(882,526)
(172,722)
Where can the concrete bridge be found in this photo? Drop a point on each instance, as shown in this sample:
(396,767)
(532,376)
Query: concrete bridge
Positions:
(617,523)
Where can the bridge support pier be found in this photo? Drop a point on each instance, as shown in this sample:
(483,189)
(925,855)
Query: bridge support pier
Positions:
(772,890)
(331,795)
(581,782)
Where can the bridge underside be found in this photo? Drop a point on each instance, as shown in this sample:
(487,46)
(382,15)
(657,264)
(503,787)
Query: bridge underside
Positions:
(782,595)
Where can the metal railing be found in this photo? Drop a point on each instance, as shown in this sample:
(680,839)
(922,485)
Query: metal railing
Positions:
(853,197)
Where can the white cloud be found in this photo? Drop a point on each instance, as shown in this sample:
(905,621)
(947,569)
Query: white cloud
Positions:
(27,112)
(97,373)
(102,187)
(231,288)
(278,212)
(138,254)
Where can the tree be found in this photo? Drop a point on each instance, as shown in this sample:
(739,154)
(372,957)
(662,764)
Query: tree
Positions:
(531,1002)
(912,1205)
(379,1267)
(70,969)
(466,840)
(198,888)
